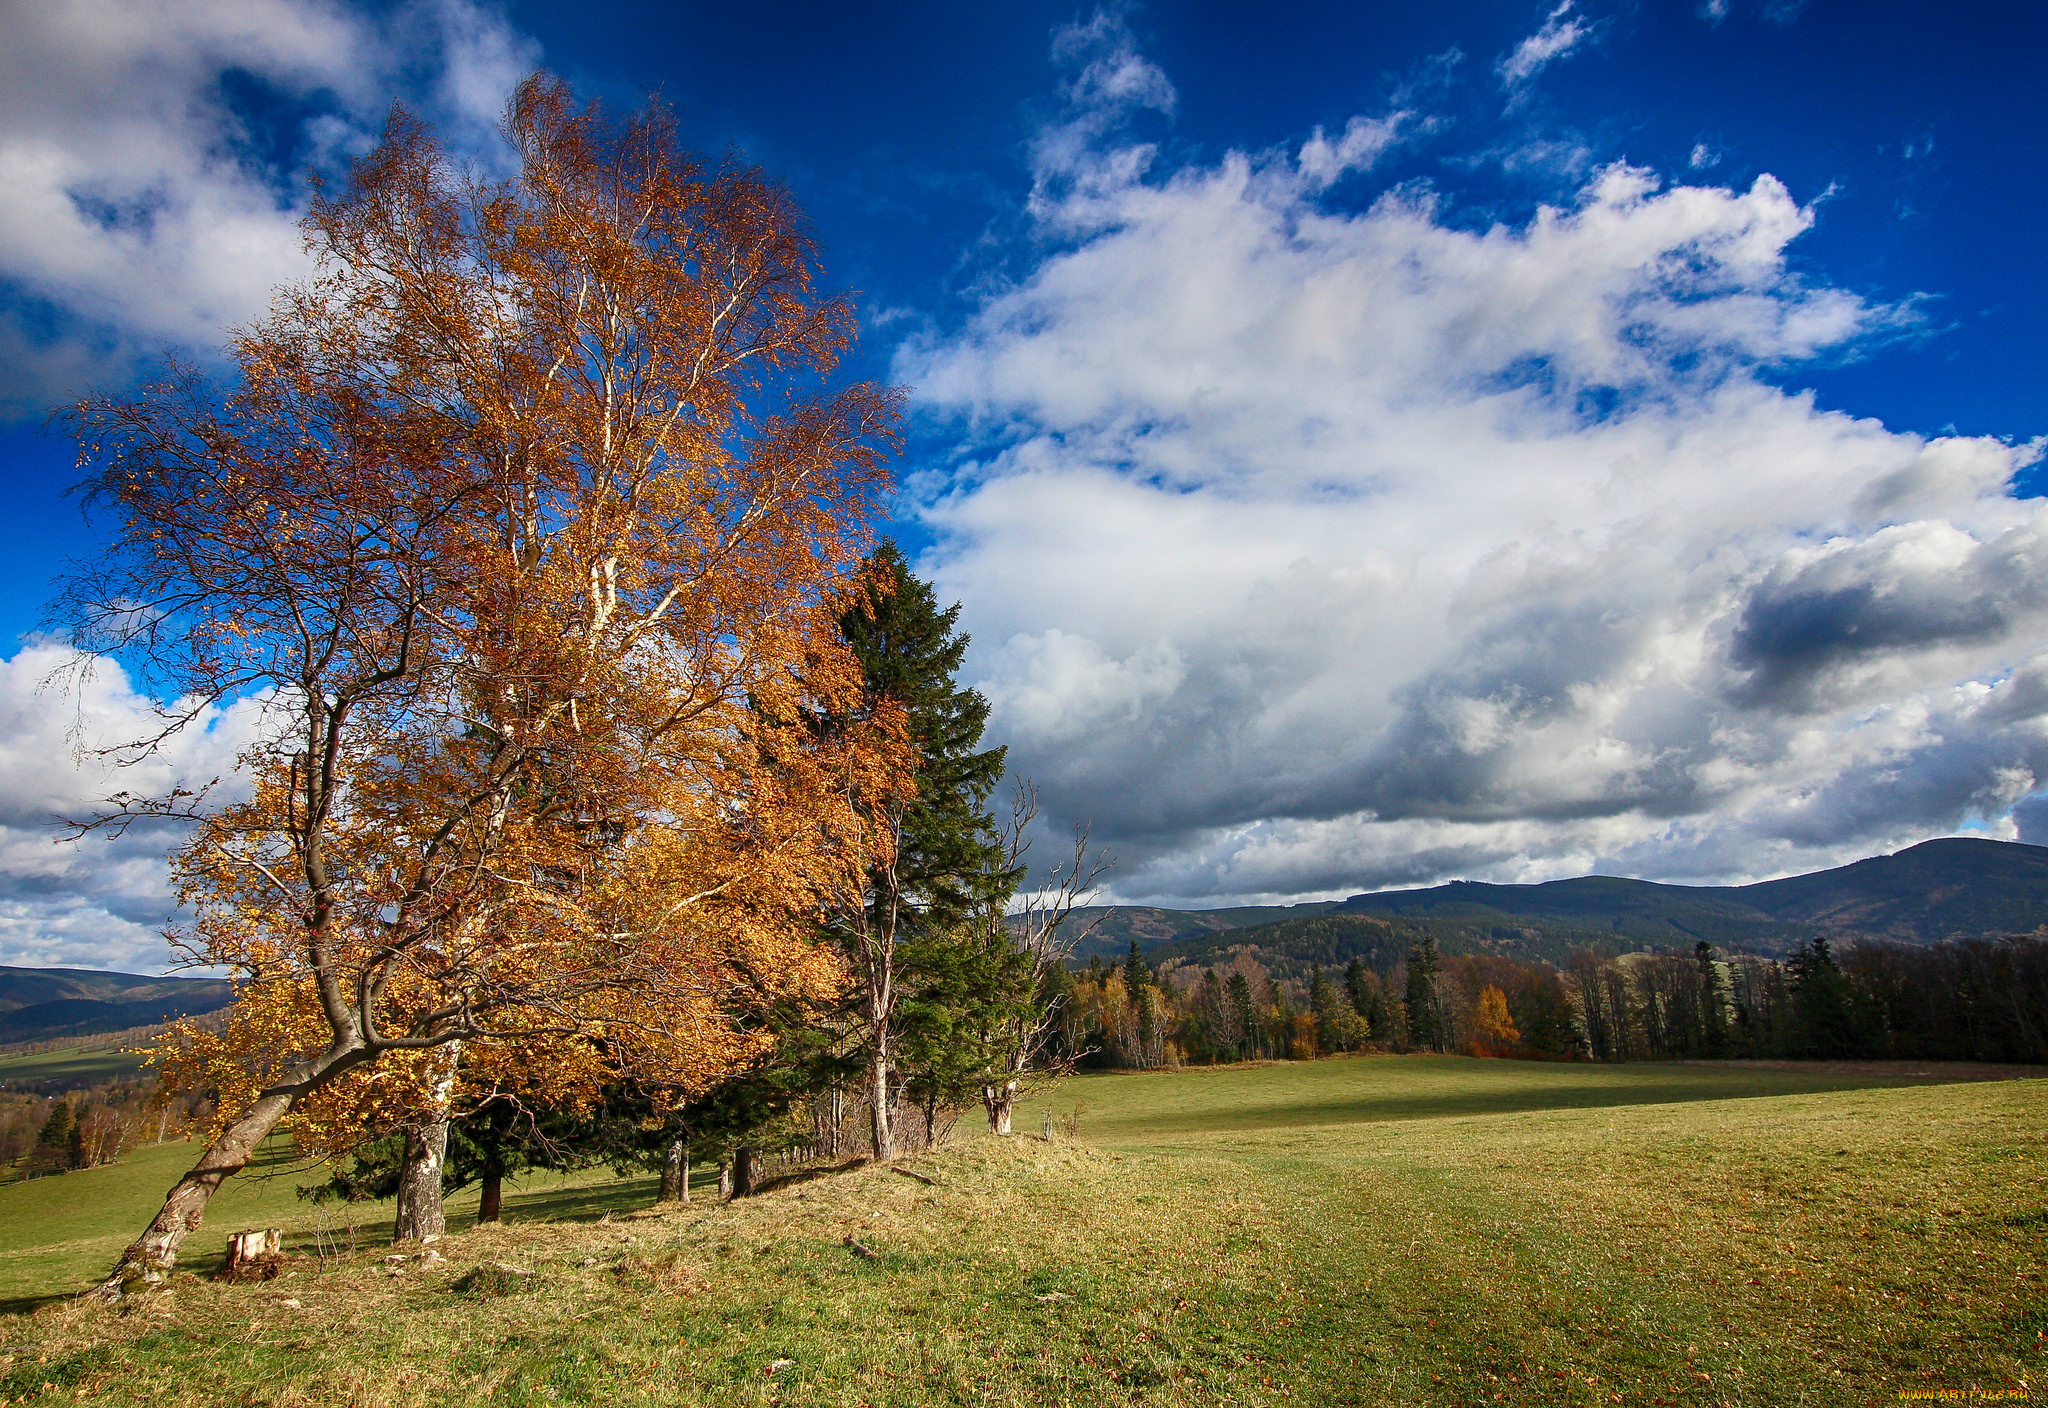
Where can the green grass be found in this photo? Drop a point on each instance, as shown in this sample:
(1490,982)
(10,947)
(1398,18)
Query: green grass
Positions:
(74,1066)
(1286,1234)
(60,1234)
(1124,1109)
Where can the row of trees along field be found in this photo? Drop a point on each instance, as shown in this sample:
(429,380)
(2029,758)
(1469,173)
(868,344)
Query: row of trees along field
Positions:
(1963,1000)
(89,1125)
(598,771)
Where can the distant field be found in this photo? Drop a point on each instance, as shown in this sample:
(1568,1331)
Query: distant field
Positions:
(1124,1108)
(71,1065)
(1425,1231)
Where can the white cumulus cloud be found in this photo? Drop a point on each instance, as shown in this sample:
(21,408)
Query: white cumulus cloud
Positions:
(154,159)
(1308,549)
(101,901)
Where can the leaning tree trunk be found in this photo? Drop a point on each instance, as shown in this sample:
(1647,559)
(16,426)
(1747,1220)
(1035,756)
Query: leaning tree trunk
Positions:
(149,1258)
(420,1211)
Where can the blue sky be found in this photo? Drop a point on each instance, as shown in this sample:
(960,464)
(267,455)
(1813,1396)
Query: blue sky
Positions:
(1373,444)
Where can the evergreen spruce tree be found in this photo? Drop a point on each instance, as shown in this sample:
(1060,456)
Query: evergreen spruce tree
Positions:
(1246,1017)
(1425,1014)
(949,862)
(56,1131)
(1713,1015)
(1055,994)
(1136,974)
(1327,1005)
(52,1152)
(1824,1019)
(1213,1012)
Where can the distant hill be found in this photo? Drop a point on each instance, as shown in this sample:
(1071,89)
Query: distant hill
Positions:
(1116,926)
(1932,891)
(39,1004)
(1939,889)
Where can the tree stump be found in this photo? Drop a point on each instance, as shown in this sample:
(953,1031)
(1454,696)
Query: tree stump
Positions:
(254,1256)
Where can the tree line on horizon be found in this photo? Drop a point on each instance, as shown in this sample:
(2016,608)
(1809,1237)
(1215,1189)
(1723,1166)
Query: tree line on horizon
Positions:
(1965,999)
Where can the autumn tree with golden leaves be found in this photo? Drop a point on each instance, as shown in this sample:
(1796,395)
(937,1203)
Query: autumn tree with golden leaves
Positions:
(524,523)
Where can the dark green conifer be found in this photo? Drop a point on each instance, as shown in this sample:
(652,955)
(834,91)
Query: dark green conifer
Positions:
(1824,1022)
(1136,974)
(1246,1017)
(56,1131)
(1713,1018)
(1357,989)
(950,864)
(949,860)
(1425,1014)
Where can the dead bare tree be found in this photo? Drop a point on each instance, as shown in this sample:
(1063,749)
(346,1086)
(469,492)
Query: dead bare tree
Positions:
(1040,931)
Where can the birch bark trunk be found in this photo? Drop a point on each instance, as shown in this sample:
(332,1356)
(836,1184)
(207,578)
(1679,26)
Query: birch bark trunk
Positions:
(881,1099)
(421,1213)
(1001,1103)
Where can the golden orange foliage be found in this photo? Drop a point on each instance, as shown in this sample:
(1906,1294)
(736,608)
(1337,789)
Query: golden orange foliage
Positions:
(525,523)
(1494,1031)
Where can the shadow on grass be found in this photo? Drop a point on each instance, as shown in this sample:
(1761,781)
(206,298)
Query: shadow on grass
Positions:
(373,1223)
(1601,1086)
(585,1203)
(805,1175)
(26,1305)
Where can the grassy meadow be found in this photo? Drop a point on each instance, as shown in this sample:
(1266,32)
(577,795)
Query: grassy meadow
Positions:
(73,1064)
(1384,1230)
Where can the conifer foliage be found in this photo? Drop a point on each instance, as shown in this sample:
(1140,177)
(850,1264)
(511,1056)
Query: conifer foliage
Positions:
(908,931)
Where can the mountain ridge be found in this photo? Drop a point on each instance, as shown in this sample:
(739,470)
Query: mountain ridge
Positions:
(1947,887)
(41,1004)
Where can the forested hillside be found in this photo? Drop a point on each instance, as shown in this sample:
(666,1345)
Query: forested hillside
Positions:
(1956,887)
(37,1004)
(1933,953)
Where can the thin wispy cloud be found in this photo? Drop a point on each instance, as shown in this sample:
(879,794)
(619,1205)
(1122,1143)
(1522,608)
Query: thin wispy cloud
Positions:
(1562,32)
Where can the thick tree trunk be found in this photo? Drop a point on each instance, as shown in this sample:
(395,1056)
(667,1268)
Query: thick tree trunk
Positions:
(491,1206)
(746,1171)
(675,1172)
(1001,1103)
(420,1212)
(150,1257)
